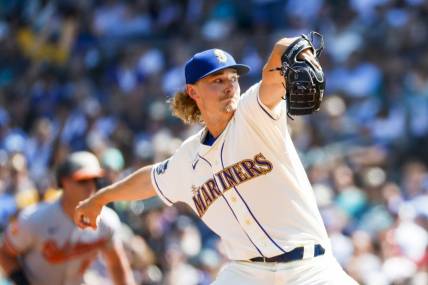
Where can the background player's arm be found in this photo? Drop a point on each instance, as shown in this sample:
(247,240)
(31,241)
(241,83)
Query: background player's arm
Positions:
(136,186)
(271,88)
(118,264)
(10,265)
(8,260)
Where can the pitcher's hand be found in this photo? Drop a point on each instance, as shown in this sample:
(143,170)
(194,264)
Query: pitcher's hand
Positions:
(87,212)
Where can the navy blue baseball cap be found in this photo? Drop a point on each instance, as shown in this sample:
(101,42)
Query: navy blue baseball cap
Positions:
(210,61)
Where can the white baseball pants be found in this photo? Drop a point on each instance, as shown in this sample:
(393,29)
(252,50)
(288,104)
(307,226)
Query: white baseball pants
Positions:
(320,270)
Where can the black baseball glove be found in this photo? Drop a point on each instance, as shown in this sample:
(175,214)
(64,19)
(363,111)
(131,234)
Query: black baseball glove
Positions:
(305,82)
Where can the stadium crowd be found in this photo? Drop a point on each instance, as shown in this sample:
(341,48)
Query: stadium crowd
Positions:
(96,75)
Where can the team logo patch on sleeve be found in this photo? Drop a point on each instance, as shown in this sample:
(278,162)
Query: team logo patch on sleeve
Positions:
(161,168)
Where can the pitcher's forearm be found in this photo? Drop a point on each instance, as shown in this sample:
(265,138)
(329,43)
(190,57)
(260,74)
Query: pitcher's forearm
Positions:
(136,186)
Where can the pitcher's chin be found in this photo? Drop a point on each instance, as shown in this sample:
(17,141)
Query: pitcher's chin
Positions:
(230,108)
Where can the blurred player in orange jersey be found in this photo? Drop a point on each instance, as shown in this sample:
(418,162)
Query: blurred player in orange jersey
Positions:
(45,247)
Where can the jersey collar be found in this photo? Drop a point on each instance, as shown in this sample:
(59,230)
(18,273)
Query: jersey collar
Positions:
(206,150)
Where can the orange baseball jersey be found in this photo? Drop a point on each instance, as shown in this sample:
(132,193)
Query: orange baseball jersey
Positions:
(249,186)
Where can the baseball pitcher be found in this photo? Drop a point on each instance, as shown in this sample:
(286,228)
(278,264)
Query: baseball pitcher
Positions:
(241,173)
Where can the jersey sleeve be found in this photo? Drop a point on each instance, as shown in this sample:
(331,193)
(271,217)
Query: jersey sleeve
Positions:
(19,235)
(167,177)
(267,123)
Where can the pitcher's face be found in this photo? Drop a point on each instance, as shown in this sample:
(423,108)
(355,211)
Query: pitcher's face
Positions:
(217,94)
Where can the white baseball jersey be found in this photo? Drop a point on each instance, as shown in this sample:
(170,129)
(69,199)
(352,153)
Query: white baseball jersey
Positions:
(249,187)
(52,249)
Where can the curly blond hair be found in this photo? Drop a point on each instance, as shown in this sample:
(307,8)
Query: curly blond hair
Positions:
(185,108)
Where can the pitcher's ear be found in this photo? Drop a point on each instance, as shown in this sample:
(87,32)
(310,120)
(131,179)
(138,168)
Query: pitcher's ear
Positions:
(190,91)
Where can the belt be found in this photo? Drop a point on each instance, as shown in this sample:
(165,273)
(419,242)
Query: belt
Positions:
(296,254)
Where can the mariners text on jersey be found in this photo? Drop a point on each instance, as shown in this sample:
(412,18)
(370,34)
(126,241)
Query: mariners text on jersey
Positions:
(231,176)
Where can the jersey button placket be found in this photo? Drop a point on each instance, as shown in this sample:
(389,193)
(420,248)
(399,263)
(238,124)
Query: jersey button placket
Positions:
(249,225)
(244,216)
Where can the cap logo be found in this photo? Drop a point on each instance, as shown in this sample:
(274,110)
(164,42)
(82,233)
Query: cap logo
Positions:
(221,56)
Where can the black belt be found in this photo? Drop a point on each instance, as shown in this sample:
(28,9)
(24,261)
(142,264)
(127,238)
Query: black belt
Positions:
(295,254)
